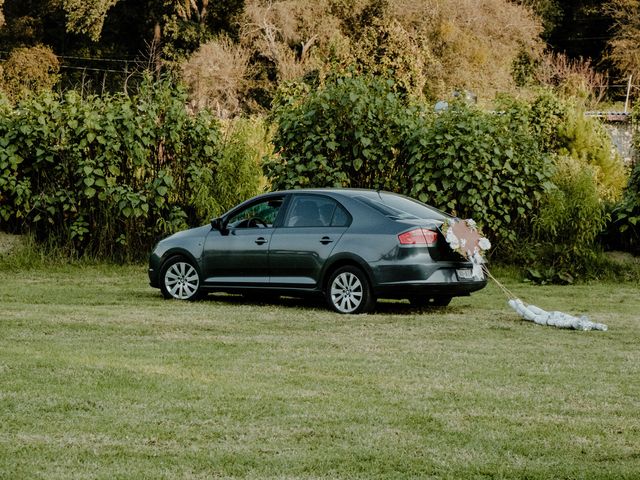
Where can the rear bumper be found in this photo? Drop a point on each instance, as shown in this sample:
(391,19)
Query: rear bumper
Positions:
(442,279)
(427,289)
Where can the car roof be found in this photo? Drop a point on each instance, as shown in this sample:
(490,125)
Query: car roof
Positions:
(348,192)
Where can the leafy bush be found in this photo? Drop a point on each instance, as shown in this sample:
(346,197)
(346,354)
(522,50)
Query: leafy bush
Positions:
(570,218)
(359,133)
(107,176)
(589,176)
(29,70)
(479,165)
(562,128)
(624,231)
(586,140)
(347,134)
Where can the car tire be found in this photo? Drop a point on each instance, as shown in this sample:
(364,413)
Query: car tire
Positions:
(180,279)
(348,291)
(436,301)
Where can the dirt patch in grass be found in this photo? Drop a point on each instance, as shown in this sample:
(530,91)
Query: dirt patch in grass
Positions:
(622,258)
(9,242)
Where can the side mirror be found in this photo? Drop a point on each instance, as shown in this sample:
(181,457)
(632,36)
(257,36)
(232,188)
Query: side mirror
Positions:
(218,224)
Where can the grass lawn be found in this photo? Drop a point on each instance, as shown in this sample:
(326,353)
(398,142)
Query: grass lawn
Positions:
(101,378)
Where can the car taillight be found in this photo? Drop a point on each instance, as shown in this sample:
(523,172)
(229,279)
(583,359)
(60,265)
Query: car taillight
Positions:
(418,236)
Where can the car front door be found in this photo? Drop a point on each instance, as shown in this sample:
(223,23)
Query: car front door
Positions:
(309,233)
(238,253)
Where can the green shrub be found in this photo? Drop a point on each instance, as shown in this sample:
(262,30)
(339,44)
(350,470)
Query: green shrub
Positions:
(578,144)
(562,128)
(107,176)
(479,165)
(586,140)
(29,70)
(238,175)
(358,132)
(570,218)
(624,230)
(346,134)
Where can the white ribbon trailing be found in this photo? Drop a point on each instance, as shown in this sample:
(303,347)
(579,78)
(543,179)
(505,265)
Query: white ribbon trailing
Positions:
(464,237)
(555,319)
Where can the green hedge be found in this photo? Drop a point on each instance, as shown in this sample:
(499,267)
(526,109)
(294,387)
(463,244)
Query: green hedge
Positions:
(108,176)
(348,134)
(479,165)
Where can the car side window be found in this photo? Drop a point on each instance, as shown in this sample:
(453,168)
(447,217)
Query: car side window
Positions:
(340,217)
(316,211)
(258,215)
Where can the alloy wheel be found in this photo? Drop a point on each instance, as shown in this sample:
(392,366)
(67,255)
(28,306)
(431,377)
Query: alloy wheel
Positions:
(346,292)
(181,280)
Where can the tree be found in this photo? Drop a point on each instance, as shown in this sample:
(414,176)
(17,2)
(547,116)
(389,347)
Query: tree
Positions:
(429,48)
(87,16)
(549,11)
(580,30)
(625,41)
(182,26)
(124,31)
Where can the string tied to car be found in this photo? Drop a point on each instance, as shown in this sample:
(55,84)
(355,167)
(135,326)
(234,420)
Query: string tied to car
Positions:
(464,237)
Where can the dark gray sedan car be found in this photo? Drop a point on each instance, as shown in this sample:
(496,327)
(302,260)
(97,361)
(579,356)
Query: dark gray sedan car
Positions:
(351,246)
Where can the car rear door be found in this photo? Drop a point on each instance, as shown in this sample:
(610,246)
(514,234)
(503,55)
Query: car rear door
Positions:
(309,233)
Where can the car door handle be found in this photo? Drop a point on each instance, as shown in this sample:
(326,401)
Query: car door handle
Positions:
(325,240)
(261,241)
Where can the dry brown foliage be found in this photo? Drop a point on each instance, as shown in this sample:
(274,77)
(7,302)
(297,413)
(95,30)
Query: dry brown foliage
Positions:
(286,32)
(474,41)
(430,47)
(576,78)
(217,76)
(625,43)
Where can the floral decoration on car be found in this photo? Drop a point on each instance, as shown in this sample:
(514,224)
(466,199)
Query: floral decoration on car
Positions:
(465,238)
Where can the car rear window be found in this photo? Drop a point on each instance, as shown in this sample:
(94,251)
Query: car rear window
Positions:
(400,207)
(316,211)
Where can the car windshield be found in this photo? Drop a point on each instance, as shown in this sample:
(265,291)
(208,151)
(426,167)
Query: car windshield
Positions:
(401,208)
